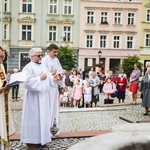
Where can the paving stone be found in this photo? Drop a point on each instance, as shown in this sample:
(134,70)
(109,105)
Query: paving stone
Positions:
(82,120)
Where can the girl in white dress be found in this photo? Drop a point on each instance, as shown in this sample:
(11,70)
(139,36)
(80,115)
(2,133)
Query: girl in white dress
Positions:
(87,94)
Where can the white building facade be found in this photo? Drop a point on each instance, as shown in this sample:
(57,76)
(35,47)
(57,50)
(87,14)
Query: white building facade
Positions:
(37,23)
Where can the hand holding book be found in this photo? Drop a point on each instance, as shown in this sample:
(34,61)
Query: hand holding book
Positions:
(17,78)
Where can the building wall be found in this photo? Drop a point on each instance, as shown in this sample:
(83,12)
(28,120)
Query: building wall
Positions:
(39,19)
(145,29)
(96,29)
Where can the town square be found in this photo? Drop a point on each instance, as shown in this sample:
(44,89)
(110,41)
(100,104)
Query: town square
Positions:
(74,74)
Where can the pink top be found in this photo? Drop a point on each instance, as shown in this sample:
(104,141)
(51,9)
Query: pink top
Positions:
(109,88)
(77,92)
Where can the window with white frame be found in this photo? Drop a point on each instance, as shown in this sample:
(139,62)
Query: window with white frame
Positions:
(117,18)
(148,15)
(52,33)
(103,41)
(67,33)
(53,6)
(147,43)
(90,17)
(26,32)
(68,7)
(131,18)
(130,42)
(5,31)
(89,41)
(104,17)
(26,5)
(116,42)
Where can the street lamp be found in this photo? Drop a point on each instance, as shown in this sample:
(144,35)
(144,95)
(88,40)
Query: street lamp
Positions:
(99,53)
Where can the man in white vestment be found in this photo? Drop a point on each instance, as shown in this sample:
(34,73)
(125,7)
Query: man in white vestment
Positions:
(6,122)
(54,66)
(36,118)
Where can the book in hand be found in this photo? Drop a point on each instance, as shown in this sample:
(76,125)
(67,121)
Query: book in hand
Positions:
(17,78)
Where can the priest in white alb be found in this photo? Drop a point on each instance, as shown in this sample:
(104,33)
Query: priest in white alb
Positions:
(6,121)
(36,118)
(54,66)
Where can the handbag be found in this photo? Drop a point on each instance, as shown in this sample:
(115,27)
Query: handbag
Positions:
(141,96)
(108,101)
(115,94)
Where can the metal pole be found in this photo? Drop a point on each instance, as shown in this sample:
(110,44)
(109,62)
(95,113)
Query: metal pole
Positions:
(127,120)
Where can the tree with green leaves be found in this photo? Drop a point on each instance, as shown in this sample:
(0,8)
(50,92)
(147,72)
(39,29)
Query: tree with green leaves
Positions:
(128,64)
(67,58)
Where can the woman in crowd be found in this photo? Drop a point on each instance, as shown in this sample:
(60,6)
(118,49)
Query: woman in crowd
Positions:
(109,88)
(72,78)
(94,83)
(121,86)
(102,78)
(134,82)
(90,72)
(145,89)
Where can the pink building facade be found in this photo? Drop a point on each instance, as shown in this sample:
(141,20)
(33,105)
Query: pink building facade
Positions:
(111,28)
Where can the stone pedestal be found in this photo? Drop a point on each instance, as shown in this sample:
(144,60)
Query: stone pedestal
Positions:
(129,136)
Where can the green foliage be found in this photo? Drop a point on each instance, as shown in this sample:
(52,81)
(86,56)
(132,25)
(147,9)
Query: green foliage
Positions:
(67,58)
(128,64)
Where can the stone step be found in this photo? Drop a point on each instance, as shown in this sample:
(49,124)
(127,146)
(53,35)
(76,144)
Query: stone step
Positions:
(79,134)
(100,107)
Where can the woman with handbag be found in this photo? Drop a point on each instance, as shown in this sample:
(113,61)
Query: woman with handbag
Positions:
(145,89)
(121,86)
(134,82)
(109,88)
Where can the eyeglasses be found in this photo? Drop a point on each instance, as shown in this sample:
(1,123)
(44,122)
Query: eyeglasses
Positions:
(38,55)
(2,56)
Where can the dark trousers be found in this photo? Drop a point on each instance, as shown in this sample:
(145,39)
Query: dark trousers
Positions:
(101,88)
(95,99)
(15,90)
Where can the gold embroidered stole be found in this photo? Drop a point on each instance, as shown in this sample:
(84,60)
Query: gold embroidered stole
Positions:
(2,77)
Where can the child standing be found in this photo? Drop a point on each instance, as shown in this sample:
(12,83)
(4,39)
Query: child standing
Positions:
(77,92)
(64,97)
(61,93)
(87,94)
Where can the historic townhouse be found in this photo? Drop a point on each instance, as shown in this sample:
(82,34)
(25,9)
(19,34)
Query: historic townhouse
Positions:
(109,31)
(145,35)
(37,23)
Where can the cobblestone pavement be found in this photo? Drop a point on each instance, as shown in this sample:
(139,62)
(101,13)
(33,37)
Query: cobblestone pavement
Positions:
(83,119)
(56,144)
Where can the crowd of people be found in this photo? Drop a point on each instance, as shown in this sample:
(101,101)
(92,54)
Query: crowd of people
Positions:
(82,89)
(47,86)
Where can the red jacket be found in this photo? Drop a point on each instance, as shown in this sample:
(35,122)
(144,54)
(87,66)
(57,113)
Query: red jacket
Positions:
(123,83)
